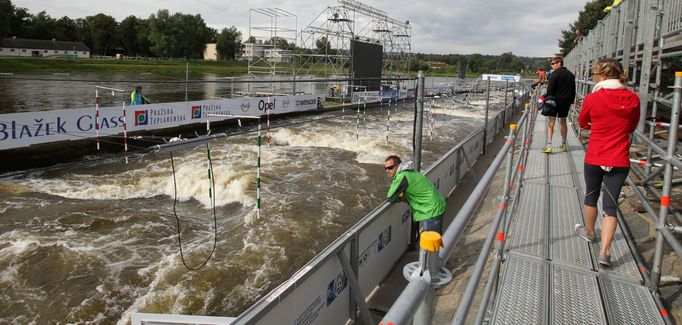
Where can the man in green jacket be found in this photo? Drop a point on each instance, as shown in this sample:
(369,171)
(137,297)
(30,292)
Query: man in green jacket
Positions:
(408,185)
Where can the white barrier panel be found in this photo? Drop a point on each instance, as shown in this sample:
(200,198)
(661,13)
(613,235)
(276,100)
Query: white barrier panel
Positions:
(323,298)
(24,129)
(381,244)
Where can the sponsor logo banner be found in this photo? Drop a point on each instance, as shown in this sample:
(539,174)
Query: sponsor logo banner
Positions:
(24,129)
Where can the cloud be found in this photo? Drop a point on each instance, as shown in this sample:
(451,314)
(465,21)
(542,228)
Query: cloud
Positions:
(524,27)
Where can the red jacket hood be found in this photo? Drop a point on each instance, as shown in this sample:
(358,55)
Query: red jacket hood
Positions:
(619,101)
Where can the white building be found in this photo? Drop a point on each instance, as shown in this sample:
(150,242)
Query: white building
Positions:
(266,52)
(253,51)
(277,55)
(42,48)
(210,52)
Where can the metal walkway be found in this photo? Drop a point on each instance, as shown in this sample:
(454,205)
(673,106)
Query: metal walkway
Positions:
(550,275)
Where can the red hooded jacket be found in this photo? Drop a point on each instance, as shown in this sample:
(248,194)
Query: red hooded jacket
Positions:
(611,114)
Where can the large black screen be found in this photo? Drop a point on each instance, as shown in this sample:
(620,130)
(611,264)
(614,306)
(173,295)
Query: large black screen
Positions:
(367,63)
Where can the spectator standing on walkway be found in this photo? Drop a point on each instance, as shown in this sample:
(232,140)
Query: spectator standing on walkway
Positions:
(561,86)
(611,112)
(408,185)
(136,97)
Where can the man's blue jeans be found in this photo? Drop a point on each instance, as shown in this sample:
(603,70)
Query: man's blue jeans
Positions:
(433,224)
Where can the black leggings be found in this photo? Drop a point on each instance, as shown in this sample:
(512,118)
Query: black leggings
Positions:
(613,181)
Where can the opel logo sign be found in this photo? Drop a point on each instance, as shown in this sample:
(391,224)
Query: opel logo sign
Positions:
(285,102)
(245,105)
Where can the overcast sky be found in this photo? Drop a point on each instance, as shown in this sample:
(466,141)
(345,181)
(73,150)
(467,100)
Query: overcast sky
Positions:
(524,27)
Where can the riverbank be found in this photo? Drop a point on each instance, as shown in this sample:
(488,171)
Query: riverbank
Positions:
(168,68)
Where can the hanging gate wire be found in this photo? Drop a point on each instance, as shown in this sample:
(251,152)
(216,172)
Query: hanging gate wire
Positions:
(211,196)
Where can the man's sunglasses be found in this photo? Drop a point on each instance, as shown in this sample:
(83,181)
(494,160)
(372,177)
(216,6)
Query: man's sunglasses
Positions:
(390,167)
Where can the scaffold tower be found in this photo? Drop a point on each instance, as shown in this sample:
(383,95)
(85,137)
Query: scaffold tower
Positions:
(325,44)
(269,47)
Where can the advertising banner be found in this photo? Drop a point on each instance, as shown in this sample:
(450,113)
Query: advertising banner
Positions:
(24,129)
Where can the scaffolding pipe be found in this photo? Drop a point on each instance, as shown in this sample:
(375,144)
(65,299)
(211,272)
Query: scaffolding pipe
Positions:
(497,227)
(667,181)
(419,122)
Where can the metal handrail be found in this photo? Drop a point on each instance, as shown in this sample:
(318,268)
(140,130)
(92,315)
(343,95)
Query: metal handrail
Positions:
(412,296)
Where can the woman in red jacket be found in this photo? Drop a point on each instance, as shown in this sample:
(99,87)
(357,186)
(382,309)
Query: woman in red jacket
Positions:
(611,112)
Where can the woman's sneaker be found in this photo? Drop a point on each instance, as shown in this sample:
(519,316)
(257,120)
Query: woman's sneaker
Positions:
(580,231)
(547,149)
(563,148)
(605,260)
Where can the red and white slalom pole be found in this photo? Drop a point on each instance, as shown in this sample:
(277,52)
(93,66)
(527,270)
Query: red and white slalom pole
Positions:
(97,102)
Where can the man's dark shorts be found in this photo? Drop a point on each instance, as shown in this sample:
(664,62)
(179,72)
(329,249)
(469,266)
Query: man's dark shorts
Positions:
(562,107)
(432,224)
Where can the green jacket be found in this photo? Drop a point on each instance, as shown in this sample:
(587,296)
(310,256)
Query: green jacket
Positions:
(424,199)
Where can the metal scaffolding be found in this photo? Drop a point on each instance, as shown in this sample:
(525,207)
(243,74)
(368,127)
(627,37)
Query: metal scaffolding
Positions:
(269,47)
(646,36)
(325,44)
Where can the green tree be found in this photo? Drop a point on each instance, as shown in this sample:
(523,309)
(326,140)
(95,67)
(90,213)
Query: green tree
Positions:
(228,43)
(587,20)
(130,30)
(475,62)
(178,35)
(66,28)
(43,27)
(6,14)
(84,34)
(20,22)
(102,33)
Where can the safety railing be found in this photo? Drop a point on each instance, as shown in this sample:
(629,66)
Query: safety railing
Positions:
(415,303)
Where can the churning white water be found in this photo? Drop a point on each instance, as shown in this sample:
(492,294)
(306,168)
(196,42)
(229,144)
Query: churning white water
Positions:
(97,241)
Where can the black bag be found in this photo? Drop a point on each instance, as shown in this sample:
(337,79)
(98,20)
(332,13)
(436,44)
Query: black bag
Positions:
(548,107)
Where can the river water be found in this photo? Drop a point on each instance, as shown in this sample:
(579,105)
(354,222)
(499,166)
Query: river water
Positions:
(96,241)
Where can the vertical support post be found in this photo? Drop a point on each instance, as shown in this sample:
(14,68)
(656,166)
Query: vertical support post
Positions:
(357,125)
(125,133)
(507,183)
(388,124)
(429,242)
(97,117)
(267,118)
(355,291)
(647,56)
(627,35)
(657,90)
(667,181)
(258,174)
(504,109)
(419,121)
(354,257)
(485,122)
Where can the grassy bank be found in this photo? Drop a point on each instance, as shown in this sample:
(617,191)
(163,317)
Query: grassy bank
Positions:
(175,68)
(167,68)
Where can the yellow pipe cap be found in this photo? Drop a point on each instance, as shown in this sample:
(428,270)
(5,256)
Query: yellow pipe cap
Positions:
(430,241)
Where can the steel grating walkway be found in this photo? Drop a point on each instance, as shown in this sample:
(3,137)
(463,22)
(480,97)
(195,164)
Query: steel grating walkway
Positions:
(550,275)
